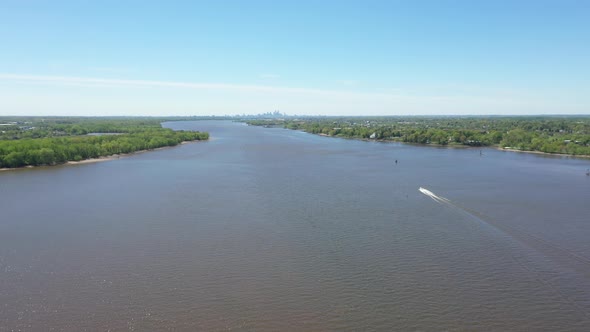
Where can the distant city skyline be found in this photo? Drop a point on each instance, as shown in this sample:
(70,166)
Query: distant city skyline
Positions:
(305,57)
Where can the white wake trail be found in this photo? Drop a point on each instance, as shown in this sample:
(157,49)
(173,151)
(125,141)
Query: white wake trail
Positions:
(436,198)
(562,256)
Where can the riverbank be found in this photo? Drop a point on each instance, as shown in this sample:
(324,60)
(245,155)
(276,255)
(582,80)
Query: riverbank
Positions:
(102,159)
(458,146)
(543,153)
(558,136)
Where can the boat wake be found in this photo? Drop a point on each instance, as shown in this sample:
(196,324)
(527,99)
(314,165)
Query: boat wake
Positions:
(541,245)
(436,198)
(533,241)
(560,255)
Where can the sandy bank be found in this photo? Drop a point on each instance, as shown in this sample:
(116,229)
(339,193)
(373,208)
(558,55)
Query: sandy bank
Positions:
(545,153)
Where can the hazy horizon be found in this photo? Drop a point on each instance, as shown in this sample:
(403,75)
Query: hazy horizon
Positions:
(300,115)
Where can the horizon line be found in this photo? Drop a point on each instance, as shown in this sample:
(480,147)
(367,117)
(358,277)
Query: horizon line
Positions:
(307,115)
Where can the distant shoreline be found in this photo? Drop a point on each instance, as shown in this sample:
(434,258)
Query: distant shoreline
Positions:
(101,159)
(499,148)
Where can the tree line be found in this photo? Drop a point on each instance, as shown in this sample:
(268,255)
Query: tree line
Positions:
(550,134)
(51,141)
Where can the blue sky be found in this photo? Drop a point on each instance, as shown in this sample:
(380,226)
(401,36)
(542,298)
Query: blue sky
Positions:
(300,57)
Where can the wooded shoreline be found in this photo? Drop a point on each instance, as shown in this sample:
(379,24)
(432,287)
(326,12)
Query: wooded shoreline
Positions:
(550,135)
(99,159)
(26,142)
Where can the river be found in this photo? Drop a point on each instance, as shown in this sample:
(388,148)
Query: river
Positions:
(269,229)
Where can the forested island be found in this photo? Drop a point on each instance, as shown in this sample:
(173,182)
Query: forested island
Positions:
(549,134)
(35,141)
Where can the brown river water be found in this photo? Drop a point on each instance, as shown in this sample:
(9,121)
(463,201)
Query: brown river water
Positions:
(267,229)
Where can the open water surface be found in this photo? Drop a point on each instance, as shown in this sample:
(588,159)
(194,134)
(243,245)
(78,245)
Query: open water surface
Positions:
(265,229)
